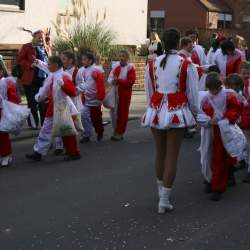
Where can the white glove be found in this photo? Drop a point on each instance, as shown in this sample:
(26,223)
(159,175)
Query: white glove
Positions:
(82,87)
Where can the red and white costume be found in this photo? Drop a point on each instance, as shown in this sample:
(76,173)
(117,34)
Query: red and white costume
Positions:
(73,72)
(245,121)
(175,99)
(149,82)
(198,55)
(7,92)
(67,88)
(126,78)
(187,56)
(228,64)
(90,81)
(214,158)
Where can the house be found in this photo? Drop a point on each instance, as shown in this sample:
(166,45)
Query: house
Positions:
(205,14)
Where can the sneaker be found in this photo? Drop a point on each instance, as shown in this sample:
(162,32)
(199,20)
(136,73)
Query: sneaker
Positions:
(72,157)
(6,161)
(99,138)
(216,196)
(116,138)
(58,152)
(208,188)
(35,156)
(231,178)
(85,140)
(247,178)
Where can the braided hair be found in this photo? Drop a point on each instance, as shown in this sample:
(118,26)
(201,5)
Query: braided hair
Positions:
(171,40)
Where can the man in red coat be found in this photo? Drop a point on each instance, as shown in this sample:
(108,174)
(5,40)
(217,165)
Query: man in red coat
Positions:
(32,78)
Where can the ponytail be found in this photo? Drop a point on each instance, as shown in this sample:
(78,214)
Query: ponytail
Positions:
(171,40)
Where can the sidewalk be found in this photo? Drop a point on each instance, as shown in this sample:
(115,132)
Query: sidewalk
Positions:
(137,108)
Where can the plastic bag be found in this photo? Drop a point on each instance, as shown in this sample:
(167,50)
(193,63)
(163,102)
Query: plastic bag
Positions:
(63,124)
(13,117)
(110,99)
(76,114)
(233,138)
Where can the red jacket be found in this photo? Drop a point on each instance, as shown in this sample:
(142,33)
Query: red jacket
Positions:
(25,60)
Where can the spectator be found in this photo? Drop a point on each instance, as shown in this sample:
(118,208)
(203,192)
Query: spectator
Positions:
(32,78)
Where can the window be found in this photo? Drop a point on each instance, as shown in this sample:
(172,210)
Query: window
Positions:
(12,5)
(224,21)
(157,21)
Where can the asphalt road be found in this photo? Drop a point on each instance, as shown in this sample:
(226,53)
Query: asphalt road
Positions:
(108,201)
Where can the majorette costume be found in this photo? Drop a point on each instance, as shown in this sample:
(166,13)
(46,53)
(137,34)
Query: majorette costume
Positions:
(7,92)
(187,56)
(174,99)
(90,81)
(126,78)
(228,64)
(67,88)
(216,162)
(198,55)
(245,122)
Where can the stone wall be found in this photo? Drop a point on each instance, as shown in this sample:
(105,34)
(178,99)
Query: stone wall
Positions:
(10,56)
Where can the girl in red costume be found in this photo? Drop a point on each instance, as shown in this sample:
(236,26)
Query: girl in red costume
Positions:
(123,76)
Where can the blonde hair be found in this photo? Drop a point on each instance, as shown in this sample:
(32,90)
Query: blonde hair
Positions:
(156,37)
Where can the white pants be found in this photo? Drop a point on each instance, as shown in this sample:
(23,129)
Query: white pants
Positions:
(87,122)
(44,139)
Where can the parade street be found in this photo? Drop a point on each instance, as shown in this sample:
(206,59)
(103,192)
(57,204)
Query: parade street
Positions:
(108,201)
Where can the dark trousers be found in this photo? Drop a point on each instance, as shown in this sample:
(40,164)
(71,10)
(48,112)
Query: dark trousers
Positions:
(30,92)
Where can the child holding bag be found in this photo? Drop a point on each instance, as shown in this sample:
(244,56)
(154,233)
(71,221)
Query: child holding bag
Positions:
(58,88)
(217,105)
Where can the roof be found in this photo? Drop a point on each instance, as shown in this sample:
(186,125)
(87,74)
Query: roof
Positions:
(216,6)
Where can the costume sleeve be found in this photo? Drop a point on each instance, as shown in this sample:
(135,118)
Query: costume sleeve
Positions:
(192,92)
(111,77)
(148,84)
(44,91)
(12,93)
(237,65)
(22,59)
(129,82)
(233,108)
(68,87)
(100,86)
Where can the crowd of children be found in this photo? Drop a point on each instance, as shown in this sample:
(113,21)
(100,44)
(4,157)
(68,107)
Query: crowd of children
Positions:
(186,86)
(73,94)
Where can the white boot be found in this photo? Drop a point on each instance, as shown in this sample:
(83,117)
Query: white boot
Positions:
(164,203)
(6,161)
(160,186)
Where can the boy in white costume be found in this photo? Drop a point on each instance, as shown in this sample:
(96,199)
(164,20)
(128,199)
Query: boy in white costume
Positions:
(58,79)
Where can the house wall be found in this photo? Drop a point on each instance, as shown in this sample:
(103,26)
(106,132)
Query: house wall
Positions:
(37,15)
(127,18)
